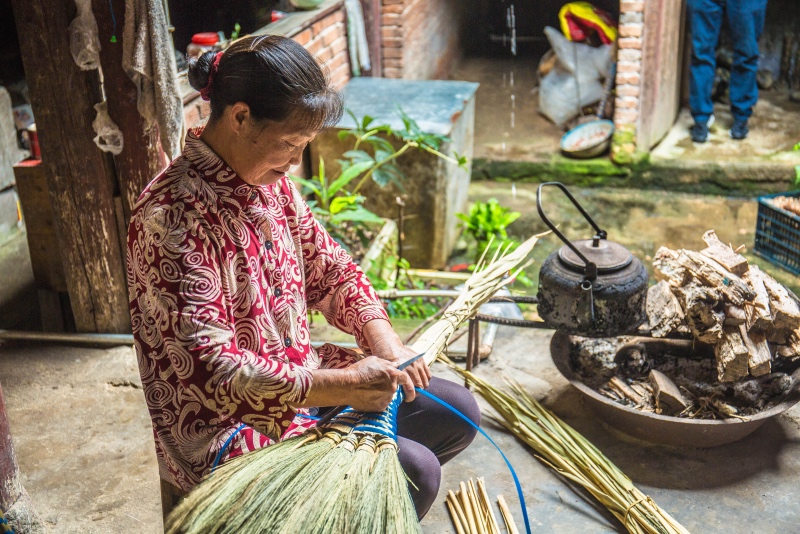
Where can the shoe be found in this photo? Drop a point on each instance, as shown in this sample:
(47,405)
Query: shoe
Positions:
(739,129)
(699,132)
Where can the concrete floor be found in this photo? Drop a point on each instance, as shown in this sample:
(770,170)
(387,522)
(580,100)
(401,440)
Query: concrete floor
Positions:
(83,441)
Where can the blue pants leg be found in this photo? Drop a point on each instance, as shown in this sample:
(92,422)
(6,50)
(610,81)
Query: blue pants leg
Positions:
(705,21)
(746,20)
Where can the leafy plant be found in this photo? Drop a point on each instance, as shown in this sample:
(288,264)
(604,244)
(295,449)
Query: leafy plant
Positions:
(341,209)
(488,221)
(405,307)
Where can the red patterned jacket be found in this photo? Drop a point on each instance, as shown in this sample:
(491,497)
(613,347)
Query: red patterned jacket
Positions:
(221,275)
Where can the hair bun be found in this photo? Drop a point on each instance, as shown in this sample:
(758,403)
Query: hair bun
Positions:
(200,70)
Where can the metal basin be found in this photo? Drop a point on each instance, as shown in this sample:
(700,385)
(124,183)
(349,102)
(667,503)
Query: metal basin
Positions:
(588,140)
(663,429)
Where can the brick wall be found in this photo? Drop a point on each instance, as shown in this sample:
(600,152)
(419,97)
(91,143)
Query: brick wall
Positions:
(324,36)
(326,40)
(629,79)
(420,38)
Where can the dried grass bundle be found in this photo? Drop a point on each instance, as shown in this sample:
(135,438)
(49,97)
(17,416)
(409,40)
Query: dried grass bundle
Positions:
(561,447)
(343,478)
(472,513)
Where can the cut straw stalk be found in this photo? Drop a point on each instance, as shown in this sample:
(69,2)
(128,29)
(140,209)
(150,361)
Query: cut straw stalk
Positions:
(573,456)
(332,480)
(472,512)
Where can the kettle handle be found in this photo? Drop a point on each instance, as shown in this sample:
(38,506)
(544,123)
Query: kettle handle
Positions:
(591,268)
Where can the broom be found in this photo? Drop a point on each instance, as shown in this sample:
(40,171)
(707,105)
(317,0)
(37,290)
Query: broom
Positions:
(344,477)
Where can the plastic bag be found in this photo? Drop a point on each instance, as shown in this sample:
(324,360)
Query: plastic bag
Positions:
(84,42)
(109,136)
(558,91)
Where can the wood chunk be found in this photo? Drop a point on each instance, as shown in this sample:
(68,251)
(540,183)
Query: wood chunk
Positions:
(699,302)
(724,254)
(715,275)
(667,395)
(759,358)
(778,335)
(620,387)
(758,312)
(735,316)
(792,347)
(664,312)
(667,268)
(732,356)
(785,309)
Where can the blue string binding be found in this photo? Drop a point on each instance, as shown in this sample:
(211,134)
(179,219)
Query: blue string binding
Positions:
(479,429)
(225,447)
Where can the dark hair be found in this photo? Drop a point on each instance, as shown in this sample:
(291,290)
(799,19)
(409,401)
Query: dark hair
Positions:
(273,75)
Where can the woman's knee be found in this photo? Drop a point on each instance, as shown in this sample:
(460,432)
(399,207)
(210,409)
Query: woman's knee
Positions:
(423,471)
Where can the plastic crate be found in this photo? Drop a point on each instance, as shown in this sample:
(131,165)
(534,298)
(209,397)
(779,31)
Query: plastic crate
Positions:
(778,233)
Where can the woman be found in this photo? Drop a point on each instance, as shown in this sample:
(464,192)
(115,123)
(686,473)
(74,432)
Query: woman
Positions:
(225,259)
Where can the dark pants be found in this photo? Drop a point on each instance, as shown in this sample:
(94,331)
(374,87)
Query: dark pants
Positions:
(429,435)
(746,22)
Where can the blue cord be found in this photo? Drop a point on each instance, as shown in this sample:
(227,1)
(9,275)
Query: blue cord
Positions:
(224,447)
(114,20)
(479,429)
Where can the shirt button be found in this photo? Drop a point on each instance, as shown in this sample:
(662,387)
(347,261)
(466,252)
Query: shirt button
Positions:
(278,292)
(268,245)
(287,342)
(253,196)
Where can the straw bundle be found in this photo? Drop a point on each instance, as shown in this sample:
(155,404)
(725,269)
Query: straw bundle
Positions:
(472,513)
(561,447)
(342,478)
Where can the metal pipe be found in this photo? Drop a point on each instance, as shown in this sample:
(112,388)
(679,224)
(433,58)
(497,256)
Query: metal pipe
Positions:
(390,294)
(114,340)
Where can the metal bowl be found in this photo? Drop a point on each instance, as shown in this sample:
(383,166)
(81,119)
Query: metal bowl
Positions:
(588,140)
(663,429)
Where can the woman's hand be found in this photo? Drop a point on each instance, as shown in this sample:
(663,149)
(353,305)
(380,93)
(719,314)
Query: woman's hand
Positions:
(376,381)
(386,344)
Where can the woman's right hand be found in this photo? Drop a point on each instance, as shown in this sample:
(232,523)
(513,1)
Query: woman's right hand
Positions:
(376,381)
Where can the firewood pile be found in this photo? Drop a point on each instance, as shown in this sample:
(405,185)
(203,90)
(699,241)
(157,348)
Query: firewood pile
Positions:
(791,204)
(746,315)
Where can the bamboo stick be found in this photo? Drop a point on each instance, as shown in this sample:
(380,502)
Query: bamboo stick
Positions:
(511,527)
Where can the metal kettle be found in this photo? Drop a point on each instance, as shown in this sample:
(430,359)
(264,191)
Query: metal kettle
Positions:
(592,287)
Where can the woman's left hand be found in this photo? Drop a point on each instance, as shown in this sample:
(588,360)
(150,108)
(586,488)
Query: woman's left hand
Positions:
(386,344)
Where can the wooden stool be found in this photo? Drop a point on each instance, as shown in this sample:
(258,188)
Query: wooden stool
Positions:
(171,495)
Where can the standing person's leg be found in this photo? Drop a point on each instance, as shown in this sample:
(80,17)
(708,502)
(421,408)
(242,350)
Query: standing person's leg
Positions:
(429,435)
(705,21)
(746,21)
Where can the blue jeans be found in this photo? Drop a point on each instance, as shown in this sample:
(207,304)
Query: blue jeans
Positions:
(746,22)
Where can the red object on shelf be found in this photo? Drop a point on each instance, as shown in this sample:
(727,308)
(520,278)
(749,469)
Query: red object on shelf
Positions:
(277,15)
(205,38)
(33,139)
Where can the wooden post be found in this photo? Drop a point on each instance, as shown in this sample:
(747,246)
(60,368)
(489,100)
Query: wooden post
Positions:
(141,158)
(81,178)
(372,22)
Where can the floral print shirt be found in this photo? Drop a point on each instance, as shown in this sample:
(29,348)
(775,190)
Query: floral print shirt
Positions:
(221,275)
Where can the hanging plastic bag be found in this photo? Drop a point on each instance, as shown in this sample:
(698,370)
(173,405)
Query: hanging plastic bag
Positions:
(579,70)
(109,136)
(84,42)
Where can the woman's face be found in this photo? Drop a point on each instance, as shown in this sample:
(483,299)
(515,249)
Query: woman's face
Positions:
(263,153)
(272,150)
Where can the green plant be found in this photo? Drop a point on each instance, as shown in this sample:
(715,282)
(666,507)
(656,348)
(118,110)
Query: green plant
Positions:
(341,209)
(488,221)
(405,307)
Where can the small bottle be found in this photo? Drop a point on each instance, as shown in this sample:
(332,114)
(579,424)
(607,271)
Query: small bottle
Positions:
(33,139)
(202,43)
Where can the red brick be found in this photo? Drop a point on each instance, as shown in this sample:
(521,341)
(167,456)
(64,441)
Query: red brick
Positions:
(630,42)
(389,63)
(392,53)
(319,26)
(627,102)
(303,37)
(314,46)
(391,31)
(336,16)
(631,30)
(629,5)
(393,9)
(342,74)
(331,34)
(392,42)
(628,90)
(391,19)
(339,44)
(324,55)
(632,78)
(625,116)
(629,54)
(390,2)
(392,73)
(629,66)
(336,62)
